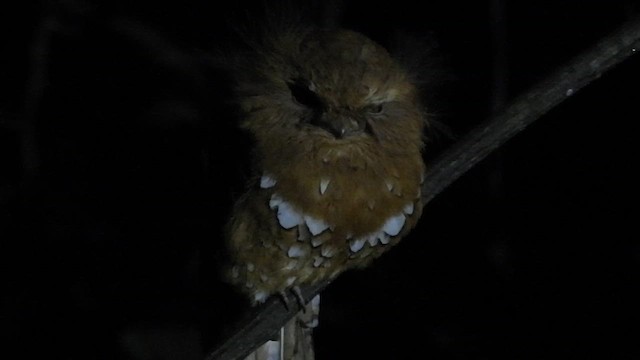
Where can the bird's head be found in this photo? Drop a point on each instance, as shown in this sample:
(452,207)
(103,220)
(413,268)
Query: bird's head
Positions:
(320,94)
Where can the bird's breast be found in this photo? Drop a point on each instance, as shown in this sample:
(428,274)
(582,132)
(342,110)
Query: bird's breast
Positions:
(348,210)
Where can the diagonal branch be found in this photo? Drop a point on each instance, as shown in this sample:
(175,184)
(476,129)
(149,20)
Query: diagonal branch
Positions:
(531,106)
(262,323)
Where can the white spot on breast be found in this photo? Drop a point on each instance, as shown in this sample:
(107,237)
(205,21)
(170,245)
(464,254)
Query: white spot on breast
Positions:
(267,181)
(275,201)
(315,242)
(288,216)
(379,237)
(389,185)
(357,244)
(327,251)
(295,251)
(316,226)
(291,280)
(383,237)
(394,224)
(324,184)
(408,209)
(290,265)
(317,261)
(260,296)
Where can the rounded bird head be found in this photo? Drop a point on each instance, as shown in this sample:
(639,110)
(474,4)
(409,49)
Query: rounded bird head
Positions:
(328,95)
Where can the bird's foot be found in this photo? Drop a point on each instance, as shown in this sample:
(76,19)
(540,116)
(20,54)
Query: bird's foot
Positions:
(309,316)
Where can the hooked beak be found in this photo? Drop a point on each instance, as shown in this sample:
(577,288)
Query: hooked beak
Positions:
(341,126)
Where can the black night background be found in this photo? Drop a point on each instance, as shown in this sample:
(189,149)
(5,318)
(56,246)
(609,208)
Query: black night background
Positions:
(119,160)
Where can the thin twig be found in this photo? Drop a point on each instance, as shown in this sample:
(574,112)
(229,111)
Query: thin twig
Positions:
(263,322)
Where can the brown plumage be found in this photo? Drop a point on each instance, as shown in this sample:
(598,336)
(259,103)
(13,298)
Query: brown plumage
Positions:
(338,166)
(338,138)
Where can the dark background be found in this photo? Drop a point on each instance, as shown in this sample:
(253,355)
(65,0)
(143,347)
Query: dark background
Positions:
(119,159)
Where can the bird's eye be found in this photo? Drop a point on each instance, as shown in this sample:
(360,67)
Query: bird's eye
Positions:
(373,108)
(304,96)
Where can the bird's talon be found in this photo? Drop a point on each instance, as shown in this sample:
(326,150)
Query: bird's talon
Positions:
(300,299)
(285,299)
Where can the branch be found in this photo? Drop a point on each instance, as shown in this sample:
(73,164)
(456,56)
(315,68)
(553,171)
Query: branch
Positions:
(263,322)
(531,106)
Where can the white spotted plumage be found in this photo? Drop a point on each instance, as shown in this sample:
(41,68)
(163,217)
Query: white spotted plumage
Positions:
(267,181)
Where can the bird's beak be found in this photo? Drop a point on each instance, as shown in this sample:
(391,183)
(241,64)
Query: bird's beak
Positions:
(341,125)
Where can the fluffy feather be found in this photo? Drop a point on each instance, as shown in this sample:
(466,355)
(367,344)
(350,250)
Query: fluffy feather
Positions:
(338,140)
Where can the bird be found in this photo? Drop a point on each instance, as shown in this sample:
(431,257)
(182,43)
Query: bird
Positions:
(337,127)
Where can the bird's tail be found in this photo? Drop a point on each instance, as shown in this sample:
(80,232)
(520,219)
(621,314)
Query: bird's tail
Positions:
(295,341)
